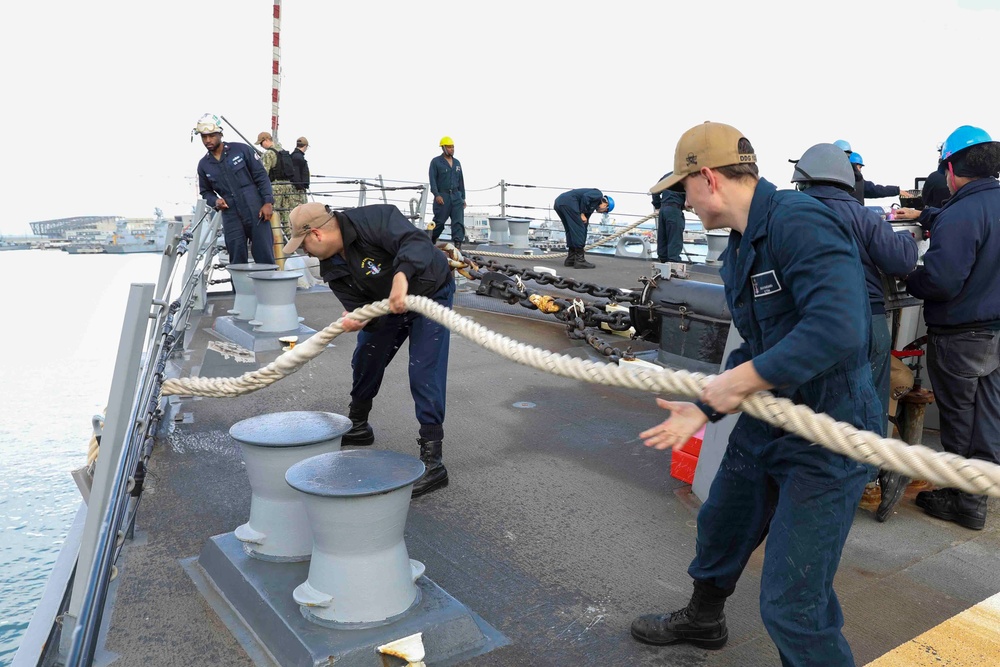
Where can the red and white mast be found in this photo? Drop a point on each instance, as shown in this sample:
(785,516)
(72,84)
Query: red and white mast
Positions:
(275,68)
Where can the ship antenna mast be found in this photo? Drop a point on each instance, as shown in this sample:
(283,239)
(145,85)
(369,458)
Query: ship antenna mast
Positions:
(275,68)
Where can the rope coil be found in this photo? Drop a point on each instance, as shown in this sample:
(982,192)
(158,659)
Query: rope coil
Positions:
(916,461)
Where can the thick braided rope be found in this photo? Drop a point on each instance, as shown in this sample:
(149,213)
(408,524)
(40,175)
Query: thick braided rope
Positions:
(915,461)
(556,255)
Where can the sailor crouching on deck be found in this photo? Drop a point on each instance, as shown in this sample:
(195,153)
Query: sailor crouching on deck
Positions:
(372,253)
(796,289)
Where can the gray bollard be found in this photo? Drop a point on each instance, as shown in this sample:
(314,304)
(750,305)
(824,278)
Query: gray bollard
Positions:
(498,231)
(278,528)
(275,301)
(622,248)
(718,240)
(518,229)
(245,303)
(360,574)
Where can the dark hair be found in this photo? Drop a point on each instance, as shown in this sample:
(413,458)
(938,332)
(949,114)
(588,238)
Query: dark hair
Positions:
(979,161)
(740,172)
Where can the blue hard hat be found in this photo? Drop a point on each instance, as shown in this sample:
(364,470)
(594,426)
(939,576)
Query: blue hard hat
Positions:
(856,158)
(962,138)
(611,204)
(842,145)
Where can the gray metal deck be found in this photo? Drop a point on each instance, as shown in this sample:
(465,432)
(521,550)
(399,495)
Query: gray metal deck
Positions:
(558,526)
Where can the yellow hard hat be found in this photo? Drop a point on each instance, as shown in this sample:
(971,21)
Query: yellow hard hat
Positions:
(446,141)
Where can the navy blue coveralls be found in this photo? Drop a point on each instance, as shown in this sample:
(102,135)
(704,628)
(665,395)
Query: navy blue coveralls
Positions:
(448,182)
(867,189)
(378,243)
(960,285)
(240,179)
(795,287)
(569,206)
(882,250)
(669,225)
(935,191)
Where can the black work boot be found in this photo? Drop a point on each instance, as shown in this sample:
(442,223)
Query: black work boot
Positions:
(893,484)
(436,475)
(581,261)
(702,623)
(570,257)
(966,509)
(361,433)
(925,498)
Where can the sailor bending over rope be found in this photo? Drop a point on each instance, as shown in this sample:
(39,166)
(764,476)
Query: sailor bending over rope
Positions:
(796,289)
(368,254)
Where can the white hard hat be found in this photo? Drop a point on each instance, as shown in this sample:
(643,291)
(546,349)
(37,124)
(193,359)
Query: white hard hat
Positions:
(208,124)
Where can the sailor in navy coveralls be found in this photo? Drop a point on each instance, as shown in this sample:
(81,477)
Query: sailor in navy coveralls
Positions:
(448,187)
(232,179)
(795,286)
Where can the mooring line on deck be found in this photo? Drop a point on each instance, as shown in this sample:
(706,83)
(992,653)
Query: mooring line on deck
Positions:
(915,461)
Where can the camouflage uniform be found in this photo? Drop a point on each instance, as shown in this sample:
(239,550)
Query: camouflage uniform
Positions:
(286,197)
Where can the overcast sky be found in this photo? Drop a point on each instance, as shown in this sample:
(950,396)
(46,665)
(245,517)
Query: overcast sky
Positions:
(102,96)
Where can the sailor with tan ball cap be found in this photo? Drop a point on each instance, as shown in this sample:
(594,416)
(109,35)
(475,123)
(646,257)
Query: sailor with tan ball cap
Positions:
(796,290)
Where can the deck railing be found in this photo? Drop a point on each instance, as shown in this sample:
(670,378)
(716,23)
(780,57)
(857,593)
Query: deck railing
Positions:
(65,627)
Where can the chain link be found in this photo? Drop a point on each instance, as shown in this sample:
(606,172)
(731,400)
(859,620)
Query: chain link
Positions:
(612,294)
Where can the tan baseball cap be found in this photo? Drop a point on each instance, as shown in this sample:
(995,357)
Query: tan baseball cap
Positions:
(301,141)
(303,218)
(261,137)
(710,145)
(900,382)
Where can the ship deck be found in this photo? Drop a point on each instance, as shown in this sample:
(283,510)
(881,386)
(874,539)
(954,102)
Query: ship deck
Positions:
(558,526)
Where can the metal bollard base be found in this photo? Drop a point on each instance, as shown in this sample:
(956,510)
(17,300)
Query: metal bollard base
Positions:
(253,598)
(243,334)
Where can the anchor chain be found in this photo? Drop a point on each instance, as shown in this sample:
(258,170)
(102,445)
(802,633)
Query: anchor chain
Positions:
(613,294)
(515,292)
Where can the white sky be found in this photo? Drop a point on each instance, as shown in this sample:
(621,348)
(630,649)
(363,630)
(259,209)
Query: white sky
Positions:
(102,96)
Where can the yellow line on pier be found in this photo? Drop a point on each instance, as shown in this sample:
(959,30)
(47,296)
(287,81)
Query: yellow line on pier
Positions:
(969,639)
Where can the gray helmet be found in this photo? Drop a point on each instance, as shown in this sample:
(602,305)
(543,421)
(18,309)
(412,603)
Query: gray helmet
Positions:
(824,163)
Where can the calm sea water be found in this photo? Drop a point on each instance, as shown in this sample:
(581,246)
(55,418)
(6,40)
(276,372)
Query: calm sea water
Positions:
(60,320)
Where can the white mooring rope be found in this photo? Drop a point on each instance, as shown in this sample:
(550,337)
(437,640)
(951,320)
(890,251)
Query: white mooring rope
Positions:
(915,461)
